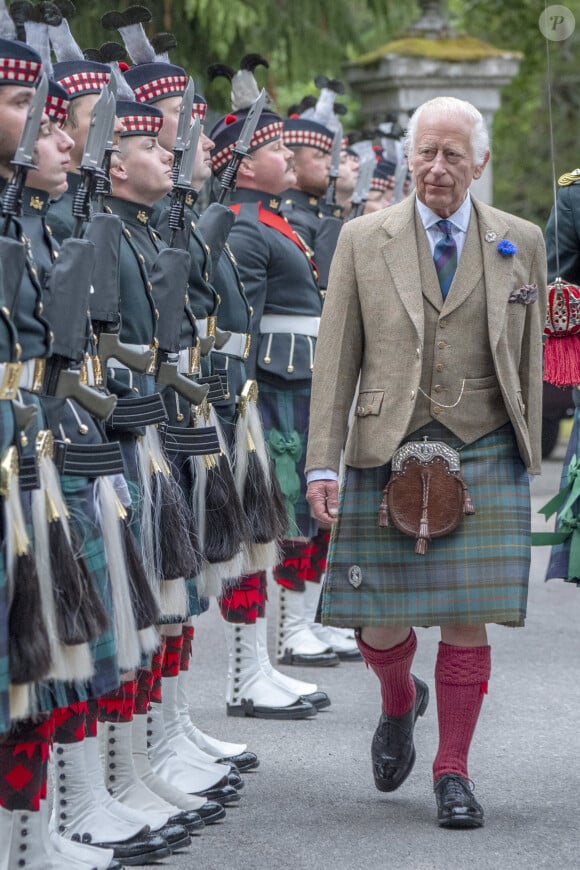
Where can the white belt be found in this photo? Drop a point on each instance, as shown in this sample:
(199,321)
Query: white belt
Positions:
(92,379)
(206,325)
(29,375)
(188,361)
(296,324)
(238,344)
(11,379)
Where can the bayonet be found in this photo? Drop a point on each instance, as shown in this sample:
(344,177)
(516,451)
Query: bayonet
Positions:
(24,158)
(362,187)
(242,146)
(92,159)
(182,184)
(183,127)
(334,166)
(103,185)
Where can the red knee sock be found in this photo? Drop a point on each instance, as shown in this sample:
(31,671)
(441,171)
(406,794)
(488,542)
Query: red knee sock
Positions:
(23,755)
(119,705)
(143,693)
(393,668)
(157,672)
(91,718)
(242,603)
(69,723)
(172,656)
(186,649)
(461,676)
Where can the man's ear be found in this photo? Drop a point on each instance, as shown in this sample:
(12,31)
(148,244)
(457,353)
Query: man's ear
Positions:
(117,169)
(246,168)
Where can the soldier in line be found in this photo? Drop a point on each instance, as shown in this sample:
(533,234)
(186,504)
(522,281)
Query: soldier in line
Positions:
(382,186)
(277,274)
(300,638)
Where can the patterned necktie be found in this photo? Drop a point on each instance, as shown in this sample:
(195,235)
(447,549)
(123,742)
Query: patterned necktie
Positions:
(445,257)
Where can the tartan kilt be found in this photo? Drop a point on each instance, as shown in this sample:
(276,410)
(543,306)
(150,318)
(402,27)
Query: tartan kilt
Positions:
(286,408)
(477,574)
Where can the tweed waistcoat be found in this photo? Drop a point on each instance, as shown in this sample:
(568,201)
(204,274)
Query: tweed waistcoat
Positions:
(458,369)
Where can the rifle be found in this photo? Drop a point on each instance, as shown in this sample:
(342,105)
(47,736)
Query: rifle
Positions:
(362,187)
(242,146)
(100,127)
(330,198)
(24,158)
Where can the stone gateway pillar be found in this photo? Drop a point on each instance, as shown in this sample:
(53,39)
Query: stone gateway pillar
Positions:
(430,60)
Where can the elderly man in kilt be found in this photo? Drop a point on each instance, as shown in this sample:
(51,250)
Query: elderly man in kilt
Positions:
(438,305)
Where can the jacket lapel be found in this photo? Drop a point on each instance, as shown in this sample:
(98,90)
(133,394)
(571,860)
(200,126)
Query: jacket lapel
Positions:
(497,270)
(401,256)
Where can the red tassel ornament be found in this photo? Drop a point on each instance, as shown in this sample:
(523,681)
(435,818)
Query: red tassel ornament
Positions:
(562,331)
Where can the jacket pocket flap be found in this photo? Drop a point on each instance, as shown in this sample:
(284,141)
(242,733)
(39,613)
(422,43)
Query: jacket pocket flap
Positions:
(369,402)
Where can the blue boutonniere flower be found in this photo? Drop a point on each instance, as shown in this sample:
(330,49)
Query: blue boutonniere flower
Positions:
(506,248)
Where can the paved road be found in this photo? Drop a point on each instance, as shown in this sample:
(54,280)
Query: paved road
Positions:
(312,803)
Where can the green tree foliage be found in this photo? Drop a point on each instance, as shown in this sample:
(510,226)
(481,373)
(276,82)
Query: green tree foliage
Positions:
(521,134)
(302,38)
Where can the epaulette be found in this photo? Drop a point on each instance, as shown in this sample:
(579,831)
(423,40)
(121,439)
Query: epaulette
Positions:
(569,178)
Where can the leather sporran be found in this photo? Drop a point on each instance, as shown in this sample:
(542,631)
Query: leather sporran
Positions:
(425,496)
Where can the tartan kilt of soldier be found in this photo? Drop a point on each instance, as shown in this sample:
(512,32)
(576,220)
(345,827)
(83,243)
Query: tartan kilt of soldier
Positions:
(477,574)
(6,439)
(285,412)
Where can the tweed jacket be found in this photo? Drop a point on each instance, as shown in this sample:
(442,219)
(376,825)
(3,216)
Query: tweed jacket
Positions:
(373,328)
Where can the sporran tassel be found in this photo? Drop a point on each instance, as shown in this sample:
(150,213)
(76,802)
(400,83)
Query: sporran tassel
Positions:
(81,616)
(68,662)
(29,644)
(172,521)
(110,514)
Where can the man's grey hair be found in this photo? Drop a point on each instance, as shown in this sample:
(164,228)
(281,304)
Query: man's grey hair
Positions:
(451,107)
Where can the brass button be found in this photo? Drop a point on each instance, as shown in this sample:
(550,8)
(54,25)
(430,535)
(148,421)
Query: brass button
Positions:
(437,388)
(439,367)
(412,394)
(436,410)
(441,345)
(206,276)
(149,285)
(442,324)
(418,353)
(157,313)
(141,258)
